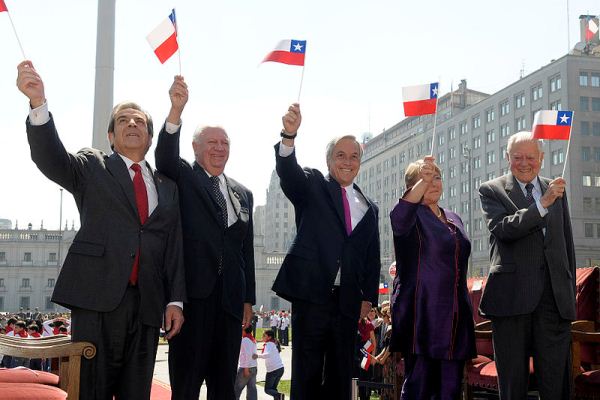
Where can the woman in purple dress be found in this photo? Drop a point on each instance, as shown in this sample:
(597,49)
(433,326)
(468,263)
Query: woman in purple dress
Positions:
(432,314)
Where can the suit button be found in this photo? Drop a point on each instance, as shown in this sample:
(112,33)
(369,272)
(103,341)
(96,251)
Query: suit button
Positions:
(132,255)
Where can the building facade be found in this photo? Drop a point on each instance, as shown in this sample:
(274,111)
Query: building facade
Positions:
(472,130)
(30,261)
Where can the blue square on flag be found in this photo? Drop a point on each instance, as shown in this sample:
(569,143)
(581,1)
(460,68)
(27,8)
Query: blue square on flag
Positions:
(564,118)
(298,46)
(433,90)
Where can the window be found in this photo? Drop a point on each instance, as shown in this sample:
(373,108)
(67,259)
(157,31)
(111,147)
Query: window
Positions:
(587,179)
(596,128)
(476,162)
(597,209)
(441,139)
(589,230)
(25,283)
(476,121)
(520,100)
(587,204)
(520,123)
(1,283)
(595,79)
(585,154)
(451,134)
(584,127)
(556,105)
(491,157)
(597,154)
(49,304)
(490,136)
(476,182)
(504,108)
(464,167)
(558,157)
(52,257)
(2,256)
(478,224)
(402,157)
(555,84)
(504,130)
(584,103)
(595,103)
(452,172)
(489,115)
(464,128)
(464,186)
(24,302)
(452,191)
(583,79)
(490,176)
(51,282)
(503,151)
(536,93)
(477,142)
(441,157)
(27,257)
(451,153)
(464,207)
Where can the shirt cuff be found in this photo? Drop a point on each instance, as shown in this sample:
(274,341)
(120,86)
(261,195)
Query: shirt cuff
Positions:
(543,211)
(284,150)
(39,115)
(176,303)
(171,128)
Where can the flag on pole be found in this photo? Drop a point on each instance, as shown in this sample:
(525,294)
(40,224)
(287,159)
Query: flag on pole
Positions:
(420,99)
(366,362)
(383,288)
(163,39)
(3,6)
(552,124)
(369,346)
(590,31)
(289,51)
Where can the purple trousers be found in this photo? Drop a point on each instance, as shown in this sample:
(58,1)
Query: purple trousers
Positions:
(427,378)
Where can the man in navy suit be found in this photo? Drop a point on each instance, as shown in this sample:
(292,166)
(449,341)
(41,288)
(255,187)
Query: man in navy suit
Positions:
(331,272)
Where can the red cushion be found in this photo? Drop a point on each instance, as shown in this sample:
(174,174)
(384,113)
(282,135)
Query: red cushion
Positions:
(589,379)
(480,359)
(30,391)
(485,374)
(26,375)
(484,347)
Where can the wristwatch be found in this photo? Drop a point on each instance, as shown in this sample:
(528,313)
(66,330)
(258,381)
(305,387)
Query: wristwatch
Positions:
(285,135)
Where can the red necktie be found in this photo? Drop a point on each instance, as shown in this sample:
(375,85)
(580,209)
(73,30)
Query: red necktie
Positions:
(347,215)
(141,200)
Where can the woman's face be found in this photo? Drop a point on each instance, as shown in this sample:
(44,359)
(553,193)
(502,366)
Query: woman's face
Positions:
(434,191)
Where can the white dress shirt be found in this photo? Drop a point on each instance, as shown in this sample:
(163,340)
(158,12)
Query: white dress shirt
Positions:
(537,194)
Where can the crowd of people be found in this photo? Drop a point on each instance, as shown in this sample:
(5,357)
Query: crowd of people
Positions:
(174,247)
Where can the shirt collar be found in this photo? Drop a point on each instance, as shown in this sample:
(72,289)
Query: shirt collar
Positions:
(535,182)
(221,176)
(129,162)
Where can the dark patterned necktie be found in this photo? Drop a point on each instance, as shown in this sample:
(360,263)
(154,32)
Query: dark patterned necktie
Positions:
(220,198)
(529,195)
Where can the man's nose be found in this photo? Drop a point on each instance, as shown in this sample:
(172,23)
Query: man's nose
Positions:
(132,122)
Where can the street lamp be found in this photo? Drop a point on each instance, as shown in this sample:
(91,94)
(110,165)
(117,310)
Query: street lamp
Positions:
(467,154)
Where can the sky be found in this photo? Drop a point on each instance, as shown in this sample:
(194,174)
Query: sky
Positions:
(359,56)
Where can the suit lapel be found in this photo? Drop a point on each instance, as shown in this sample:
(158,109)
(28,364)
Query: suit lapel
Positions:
(160,191)
(335,195)
(515,193)
(116,166)
(368,214)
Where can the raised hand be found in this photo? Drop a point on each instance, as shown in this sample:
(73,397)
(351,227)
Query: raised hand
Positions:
(292,119)
(427,170)
(556,189)
(178,93)
(30,84)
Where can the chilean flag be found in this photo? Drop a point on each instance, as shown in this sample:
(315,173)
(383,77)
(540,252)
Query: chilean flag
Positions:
(163,39)
(552,124)
(420,99)
(383,288)
(3,6)
(590,31)
(368,346)
(289,51)
(366,362)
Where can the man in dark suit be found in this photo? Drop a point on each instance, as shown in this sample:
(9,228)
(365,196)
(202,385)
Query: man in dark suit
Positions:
(124,271)
(530,292)
(331,272)
(219,261)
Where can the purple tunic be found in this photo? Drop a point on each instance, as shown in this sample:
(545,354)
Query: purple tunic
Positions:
(432,313)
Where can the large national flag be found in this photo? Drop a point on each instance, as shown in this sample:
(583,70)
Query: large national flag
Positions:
(163,39)
(383,288)
(590,31)
(3,6)
(289,51)
(420,99)
(552,124)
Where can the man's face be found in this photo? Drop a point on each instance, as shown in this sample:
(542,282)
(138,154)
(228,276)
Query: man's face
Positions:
(212,150)
(345,162)
(130,137)
(525,161)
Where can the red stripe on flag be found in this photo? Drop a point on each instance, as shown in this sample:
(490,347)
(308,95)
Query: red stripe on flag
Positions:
(285,57)
(383,290)
(421,107)
(552,132)
(3,6)
(167,49)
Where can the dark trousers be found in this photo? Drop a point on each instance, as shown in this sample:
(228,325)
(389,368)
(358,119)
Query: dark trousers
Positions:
(271,381)
(125,351)
(542,334)
(206,349)
(323,350)
(427,378)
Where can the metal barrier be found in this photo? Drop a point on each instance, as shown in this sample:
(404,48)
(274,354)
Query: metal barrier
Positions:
(371,385)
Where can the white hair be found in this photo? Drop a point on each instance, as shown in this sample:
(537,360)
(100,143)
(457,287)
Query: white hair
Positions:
(522,137)
(203,128)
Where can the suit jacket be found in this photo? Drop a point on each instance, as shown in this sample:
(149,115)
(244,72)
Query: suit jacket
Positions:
(205,239)
(520,251)
(322,246)
(95,273)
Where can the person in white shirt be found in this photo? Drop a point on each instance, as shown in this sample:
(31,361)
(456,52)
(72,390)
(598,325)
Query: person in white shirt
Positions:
(273,364)
(246,375)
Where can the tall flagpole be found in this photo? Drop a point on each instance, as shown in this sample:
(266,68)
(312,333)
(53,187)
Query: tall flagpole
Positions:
(437,97)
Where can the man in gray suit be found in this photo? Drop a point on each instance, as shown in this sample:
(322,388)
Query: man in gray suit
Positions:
(530,292)
(123,275)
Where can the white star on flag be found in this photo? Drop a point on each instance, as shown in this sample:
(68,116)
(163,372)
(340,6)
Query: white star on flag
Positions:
(564,118)
(297,47)
(435,91)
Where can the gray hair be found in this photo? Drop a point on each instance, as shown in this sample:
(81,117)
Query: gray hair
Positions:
(203,128)
(521,137)
(334,141)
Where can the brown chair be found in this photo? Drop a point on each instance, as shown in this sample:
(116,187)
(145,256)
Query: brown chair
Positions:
(586,365)
(68,365)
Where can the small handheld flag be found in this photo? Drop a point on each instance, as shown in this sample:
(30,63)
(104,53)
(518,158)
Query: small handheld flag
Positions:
(289,51)
(3,6)
(368,346)
(552,124)
(383,288)
(420,99)
(163,39)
